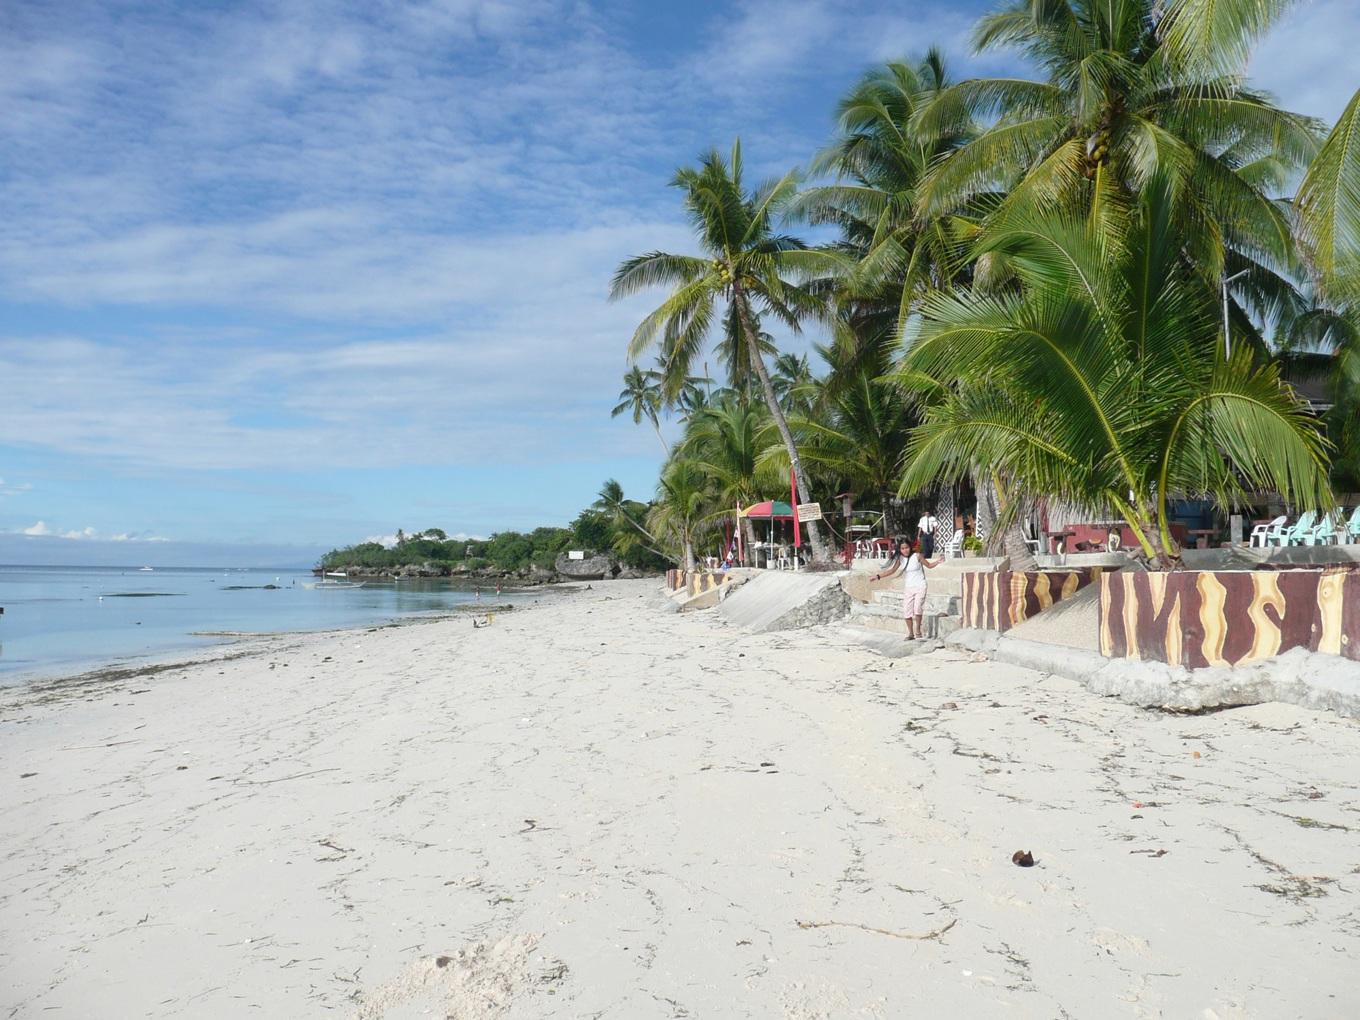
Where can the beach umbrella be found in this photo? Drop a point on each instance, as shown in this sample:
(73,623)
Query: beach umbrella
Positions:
(774,509)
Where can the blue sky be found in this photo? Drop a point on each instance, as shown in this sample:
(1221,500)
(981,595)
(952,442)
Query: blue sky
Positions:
(304,273)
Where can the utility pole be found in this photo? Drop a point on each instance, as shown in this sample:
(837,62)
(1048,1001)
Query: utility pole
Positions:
(1227,344)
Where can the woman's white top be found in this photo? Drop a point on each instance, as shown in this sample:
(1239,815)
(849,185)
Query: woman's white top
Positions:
(914,576)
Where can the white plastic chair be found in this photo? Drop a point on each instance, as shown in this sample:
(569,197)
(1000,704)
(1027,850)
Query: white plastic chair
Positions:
(954,547)
(1263,534)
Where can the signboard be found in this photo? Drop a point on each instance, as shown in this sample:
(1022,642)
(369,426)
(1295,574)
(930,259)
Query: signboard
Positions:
(809,512)
(576,554)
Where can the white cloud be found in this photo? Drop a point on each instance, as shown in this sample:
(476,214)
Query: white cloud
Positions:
(87,534)
(1309,60)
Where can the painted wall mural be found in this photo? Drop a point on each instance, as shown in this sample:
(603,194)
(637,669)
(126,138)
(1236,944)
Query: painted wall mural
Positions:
(695,580)
(1220,618)
(1000,600)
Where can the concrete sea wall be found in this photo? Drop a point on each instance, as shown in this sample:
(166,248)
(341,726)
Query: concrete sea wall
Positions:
(999,600)
(1223,618)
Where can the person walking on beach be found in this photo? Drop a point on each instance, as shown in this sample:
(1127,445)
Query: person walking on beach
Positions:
(912,566)
(925,533)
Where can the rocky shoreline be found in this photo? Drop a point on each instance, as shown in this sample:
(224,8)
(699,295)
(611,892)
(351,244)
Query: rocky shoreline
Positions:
(592,567)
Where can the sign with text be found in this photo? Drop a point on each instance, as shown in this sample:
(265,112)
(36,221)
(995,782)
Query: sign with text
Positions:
(576,554)
(809,512)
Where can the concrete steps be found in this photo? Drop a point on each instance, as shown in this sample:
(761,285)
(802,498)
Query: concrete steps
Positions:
(884,613)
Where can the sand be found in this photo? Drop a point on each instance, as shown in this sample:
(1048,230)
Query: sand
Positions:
(590,809)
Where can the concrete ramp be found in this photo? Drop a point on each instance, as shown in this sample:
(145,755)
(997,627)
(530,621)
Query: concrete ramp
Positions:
(786,599)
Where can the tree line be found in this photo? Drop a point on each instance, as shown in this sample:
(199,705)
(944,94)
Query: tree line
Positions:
(1092,285)
(612,525)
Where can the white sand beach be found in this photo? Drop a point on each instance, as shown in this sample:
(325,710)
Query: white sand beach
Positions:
(592,809)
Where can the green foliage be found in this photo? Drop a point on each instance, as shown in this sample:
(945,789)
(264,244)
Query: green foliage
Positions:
(509,550)
(611,525)
(591,530)
(1100,381)
(1329,207)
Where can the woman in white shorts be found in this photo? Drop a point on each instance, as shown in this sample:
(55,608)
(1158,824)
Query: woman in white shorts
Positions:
(912,566)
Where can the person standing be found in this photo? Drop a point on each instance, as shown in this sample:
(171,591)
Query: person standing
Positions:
(925,533)
(912,566)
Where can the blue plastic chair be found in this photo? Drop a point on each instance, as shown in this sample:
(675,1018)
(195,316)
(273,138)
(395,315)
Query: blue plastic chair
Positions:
(1352,530)
(1324,533)
(1302,527)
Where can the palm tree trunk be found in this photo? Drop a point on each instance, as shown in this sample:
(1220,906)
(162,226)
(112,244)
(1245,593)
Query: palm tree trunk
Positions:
(665,447)
(820,553)
(689,551)
(1012,539)
(748,532)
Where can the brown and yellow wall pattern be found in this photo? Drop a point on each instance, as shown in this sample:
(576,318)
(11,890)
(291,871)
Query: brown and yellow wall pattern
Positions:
(1222,618)
(1000,600)
(695,581)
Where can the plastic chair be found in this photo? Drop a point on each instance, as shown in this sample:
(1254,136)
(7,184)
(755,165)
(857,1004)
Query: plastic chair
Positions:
(1324,533)
(1263,534)
(1347,528)
(1350,530)
(1303,526)
(954,547)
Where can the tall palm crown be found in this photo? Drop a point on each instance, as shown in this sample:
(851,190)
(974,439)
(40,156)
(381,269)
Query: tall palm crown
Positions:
(1133,89)
(879,161)
(725,439)
(794,383)
(746,265)
(640,396)
(858,437)
(678,514)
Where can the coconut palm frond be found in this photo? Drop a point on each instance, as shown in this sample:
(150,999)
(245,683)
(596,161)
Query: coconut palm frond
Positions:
(1329,206)
(1212,37)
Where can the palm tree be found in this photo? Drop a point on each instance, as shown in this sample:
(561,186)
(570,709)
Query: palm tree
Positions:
(641,395)
(623,517)
(1329,209)
(678,515)
(725,441)
(858,437)
(794,383)
(735,358)
(746,265)
(1092,383)
(879,161)
(1133,90)
(1329,229)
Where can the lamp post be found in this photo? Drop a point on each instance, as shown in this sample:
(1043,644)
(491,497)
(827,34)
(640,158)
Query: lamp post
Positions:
(1227,345)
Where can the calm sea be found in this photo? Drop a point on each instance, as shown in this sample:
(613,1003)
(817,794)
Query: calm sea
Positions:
(70,618)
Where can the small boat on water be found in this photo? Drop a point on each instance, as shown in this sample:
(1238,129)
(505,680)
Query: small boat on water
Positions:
(146,568)
(333,580)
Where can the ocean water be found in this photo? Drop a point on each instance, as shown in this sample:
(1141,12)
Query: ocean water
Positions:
(59,619)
